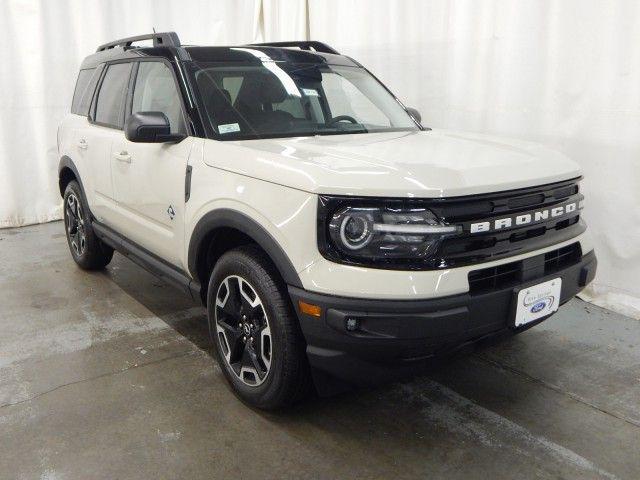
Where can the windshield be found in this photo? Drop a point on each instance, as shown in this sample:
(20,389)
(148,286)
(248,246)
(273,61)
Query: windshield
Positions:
(282,99)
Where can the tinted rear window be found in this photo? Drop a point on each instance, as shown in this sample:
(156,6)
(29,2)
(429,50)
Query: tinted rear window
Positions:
(85,86)
(110,103)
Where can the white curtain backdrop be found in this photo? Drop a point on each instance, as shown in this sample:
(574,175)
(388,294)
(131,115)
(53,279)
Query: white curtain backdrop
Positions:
(562,72)
(282,20)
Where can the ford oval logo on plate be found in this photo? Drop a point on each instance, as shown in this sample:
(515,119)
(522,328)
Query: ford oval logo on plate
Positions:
(538,307)
(537,301)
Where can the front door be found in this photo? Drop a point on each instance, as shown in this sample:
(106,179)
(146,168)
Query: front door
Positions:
(149,178)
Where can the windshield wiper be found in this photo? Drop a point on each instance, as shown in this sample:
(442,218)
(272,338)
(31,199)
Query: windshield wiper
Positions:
(348,128)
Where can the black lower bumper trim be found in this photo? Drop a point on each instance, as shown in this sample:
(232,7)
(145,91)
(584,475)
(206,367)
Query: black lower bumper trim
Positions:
(393,338)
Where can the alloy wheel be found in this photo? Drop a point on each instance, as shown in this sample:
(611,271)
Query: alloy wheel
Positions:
(75,225)
(243,330)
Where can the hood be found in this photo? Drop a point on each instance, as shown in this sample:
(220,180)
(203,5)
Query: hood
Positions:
(431,164)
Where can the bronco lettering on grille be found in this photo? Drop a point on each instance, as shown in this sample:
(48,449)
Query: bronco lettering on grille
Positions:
(535,216)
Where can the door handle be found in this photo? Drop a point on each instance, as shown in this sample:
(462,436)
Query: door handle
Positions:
(123,156)
(83,144)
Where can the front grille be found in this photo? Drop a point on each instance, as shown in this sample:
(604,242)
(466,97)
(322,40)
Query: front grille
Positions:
(511,274)
(469,248)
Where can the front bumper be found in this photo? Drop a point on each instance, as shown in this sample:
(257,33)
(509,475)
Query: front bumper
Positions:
(396,338)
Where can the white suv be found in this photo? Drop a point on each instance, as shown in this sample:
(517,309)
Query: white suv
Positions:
(334,240)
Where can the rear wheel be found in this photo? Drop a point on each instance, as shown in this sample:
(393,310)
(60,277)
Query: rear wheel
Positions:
(86,248)
(257,338)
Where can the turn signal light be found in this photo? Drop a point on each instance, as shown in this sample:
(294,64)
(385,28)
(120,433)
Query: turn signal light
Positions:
(309,309)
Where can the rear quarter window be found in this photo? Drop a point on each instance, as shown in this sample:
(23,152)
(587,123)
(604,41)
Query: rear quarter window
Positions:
(85,86)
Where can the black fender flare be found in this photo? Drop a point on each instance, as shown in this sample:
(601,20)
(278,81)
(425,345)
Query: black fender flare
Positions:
(225,217)
(66,162)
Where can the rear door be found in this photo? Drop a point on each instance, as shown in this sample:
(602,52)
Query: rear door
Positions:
(149,178)
(107,120)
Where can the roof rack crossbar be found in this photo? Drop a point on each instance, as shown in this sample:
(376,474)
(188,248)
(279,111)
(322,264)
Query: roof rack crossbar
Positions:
(162,39)
(302,45)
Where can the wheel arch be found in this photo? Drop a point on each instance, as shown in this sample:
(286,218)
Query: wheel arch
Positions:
(67,171)
(246,230)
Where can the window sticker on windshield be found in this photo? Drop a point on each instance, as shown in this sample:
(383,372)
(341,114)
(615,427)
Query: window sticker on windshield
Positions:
(310,92)
(229,128)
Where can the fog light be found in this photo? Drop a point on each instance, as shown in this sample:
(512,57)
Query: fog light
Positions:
(352,324)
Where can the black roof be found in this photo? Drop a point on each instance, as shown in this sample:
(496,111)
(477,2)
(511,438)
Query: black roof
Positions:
(167,45)
(257,54)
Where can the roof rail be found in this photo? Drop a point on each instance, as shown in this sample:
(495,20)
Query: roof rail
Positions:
(303,45)
(162,39)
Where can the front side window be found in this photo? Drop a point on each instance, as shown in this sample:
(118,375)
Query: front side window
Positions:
(156,91)
(282,99)
(110,102)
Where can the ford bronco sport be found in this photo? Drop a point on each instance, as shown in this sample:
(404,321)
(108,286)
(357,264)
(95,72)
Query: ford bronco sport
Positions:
(333,239)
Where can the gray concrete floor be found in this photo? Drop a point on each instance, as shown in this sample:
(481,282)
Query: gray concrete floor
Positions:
(110,375)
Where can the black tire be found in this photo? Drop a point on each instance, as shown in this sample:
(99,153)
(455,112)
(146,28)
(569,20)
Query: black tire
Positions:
(87,250)
(287,378)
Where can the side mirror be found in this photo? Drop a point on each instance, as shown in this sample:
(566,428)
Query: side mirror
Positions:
(150,127)
(415,114)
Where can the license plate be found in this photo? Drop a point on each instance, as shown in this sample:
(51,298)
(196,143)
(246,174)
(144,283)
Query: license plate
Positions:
(538,301)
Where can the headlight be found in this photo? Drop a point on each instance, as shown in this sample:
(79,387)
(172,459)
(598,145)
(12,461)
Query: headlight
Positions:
(368,235)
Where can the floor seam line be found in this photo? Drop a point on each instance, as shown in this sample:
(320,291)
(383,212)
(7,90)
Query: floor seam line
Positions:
(97,377)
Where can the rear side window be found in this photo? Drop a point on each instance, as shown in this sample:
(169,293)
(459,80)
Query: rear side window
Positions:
(113,90)
(85,86)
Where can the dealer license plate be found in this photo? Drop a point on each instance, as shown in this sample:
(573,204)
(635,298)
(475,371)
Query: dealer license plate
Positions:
(538,301)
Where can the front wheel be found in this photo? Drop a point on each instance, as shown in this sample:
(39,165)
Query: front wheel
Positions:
(257,338)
